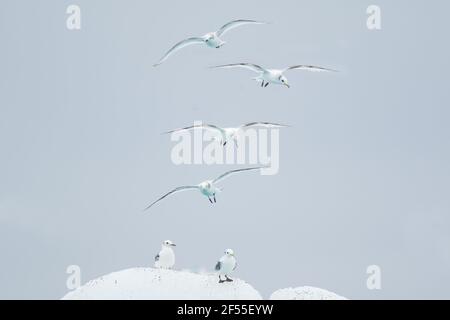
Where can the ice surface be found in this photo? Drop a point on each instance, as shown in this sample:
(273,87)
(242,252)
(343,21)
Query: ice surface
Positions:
(154,284)
(304,293)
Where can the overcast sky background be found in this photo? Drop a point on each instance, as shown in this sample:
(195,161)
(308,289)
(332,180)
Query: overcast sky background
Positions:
(364,174)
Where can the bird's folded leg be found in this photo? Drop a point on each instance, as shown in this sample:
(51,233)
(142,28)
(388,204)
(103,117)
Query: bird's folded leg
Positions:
(262,84)
(220,280)
(266,84)
(228,279)
(210,199)
(215,199)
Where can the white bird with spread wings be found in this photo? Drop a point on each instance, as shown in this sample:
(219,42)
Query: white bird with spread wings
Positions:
(274,76)
(208,188)
(211,39)
(224,135)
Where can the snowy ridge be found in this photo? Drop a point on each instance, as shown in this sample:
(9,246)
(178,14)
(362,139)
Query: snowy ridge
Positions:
(304,293)
(158,284)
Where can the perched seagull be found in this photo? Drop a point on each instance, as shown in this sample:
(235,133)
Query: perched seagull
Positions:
(226,265)
(275,76)
(165,259)
(229,134)
(207,188)
(211,39)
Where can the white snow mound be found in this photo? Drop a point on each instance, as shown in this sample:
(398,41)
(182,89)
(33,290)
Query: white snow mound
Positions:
(155,284)
(304,293)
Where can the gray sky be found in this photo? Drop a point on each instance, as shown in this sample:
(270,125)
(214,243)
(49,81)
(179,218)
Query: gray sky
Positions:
(364,173)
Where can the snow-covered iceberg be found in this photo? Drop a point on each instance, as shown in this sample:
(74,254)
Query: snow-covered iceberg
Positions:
(304,293)
(155,284)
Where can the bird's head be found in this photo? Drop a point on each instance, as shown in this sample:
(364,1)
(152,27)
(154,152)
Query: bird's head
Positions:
(208,37)
(206,185)
(229,252)
(211,37)
(212,40)
(168,243)
(284,81)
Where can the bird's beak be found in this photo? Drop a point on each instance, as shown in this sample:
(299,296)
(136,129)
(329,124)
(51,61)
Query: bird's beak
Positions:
(287,85)
(173,245)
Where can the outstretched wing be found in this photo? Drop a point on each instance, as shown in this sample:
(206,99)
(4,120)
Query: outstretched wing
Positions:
(218,266)
(201,126)
(310,68)
(236,23)
(250,66)
(205,126)
(179,189)
(262,124)
(228,173)
(178,46)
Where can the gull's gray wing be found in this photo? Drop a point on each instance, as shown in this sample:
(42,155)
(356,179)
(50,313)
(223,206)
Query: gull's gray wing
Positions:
(250,66)
(178,46)
(179,189)
(228,173)
(309,68)
(236,23)
(205,126)
(202,126)
(263,124)
(218,266)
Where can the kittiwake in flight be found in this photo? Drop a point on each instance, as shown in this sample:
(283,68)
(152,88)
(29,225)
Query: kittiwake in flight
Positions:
(226,265)
(275,76)
(224,135)
(165,259)
(208,188)
(211,39)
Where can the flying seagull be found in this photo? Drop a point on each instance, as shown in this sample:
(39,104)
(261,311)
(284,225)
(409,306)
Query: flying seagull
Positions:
(223,135)
(165,259)
(226,265)
(275,76)
(211,39)
(208,188)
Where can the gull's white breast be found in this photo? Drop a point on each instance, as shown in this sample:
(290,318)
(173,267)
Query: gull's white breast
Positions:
(227,265)
(166,259)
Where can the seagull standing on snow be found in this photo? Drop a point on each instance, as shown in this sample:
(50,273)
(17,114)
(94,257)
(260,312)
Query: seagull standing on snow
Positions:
(211,39)
(165,259)
(226,265)
(208,188)
(275,76)
(228,134)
